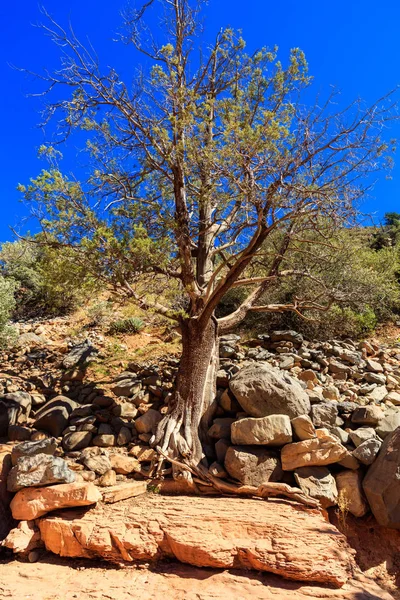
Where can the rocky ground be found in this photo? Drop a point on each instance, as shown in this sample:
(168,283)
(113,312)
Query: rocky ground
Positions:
(321,418)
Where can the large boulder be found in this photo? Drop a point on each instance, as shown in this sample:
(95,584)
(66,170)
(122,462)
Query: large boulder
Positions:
(13,406)
(252,465)
(320,451)
(6,521)
(351,497)
(37,471)
(80,355)
(262,390)
(53,417)
(232,533)
(382,483)
(318,483)
(274,430)
(45,446)
(31,503)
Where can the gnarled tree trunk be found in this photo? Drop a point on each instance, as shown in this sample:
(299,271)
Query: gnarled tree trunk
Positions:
(182,433)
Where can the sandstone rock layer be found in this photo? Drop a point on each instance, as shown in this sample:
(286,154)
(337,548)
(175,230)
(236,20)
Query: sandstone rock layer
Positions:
(277,537)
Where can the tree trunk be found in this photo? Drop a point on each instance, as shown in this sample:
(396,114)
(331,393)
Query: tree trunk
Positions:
(182,433)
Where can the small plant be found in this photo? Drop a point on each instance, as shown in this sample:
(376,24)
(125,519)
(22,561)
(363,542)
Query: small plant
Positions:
(343,509)
(129,325)
(99,314)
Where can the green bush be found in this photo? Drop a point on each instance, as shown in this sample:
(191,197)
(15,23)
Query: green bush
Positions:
(47,281)
(129,325)
(7,305)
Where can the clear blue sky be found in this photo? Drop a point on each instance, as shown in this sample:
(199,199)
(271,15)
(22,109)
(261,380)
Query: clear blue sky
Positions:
(351,44)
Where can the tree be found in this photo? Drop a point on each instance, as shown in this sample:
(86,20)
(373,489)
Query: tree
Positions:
(193,168)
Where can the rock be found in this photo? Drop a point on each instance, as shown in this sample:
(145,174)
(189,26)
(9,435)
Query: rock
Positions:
(108,479)
(324,414)
(23,538)
(127,387)
(378,393)
(125,410)
(12,406)
(37,471)
(262,390)
(252,465)
(54,415)
(229,402)
(6,521)
(378,378)
(217,470)
(44,446)
(318,483)
(274,430)
(99,463)
(32,503)
(308,375)
(18,433)
(221,428)
(362,434)
(104,440)
(77,440)
(148,422)
(388,424)
(80,355)
(226,351)
(382,483)
(124,465)
(122,491)
(275,537)
(367,451)
(124,436)
(367,415)
(221,448)
(393,397)
(374,366)
(351,497)
(303,427)
(287,336)
(320,451)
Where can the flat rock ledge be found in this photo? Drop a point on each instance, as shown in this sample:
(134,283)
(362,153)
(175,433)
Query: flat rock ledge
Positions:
(278,537)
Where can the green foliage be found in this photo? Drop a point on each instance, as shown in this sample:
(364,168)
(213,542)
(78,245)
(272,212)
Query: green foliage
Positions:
(388,234)
(47,280)
(129,325)
(100,313)
(7,306)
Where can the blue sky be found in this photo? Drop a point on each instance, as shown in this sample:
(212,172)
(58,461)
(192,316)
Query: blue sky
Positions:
(353,45)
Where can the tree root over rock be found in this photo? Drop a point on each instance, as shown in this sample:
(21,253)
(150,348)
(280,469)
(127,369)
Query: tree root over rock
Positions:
(200,476)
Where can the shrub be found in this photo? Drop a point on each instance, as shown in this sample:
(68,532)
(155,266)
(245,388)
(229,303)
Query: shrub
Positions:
(7,305)
(100,314)
(129,325)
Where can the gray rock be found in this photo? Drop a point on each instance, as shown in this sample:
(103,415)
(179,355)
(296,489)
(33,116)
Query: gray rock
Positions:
(80,355)
(287,336)
(374,366)
(274,430)
(378,393)
(252,466)
(98,463)
(37,471)
(262,390)
(46,446)
(318,483)
(76,440)
(378,378)
(382,483)
(54,415)
(226,351)
(127,387)
(362,434)
(367,451)
(324,414)
(124,436)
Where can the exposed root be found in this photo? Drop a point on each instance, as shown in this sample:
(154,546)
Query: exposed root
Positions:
(201,476)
